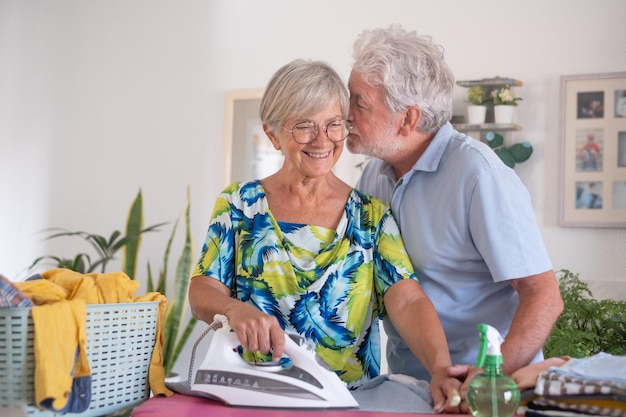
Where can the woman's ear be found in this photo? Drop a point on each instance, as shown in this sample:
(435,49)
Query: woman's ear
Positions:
(272,137)
(412,116)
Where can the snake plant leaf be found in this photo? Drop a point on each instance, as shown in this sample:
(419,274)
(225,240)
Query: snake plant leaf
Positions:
(162,281)
(178,305)
(134,223)
(131,243)
(181,342)
(149,279)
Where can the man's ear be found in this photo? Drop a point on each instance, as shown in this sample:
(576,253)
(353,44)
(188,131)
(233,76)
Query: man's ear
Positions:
(271,137)
(411,117)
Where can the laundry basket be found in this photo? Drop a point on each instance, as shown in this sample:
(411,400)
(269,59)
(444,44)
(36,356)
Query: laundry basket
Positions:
(120,339)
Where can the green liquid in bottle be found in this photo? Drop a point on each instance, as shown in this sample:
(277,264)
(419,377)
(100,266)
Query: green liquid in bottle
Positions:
(493,396)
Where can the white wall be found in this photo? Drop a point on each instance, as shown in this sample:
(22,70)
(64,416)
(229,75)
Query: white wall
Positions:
(101,98)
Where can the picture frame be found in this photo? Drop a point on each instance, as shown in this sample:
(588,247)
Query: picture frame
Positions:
(593,150)
(248,153)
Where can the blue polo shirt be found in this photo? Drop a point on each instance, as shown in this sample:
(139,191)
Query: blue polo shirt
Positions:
(468,225)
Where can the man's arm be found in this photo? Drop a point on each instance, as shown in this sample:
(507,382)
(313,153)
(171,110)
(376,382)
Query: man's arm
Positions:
(413,315)
(540,305)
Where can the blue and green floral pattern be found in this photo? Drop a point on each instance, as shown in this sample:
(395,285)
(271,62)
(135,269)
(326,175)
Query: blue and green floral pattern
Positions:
(326,285)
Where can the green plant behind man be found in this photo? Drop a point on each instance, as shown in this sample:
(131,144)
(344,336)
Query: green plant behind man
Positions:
(587,326)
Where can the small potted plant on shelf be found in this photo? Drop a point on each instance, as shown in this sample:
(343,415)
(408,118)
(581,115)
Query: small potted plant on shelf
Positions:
(477,110)
(503,103)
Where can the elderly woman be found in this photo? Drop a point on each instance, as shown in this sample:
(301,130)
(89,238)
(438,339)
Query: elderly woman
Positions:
(303,252)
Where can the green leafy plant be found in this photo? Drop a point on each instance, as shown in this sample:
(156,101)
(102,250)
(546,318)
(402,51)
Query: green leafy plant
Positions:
(476,95)
(105,248)
(587,326)
(504,96)
(175,335)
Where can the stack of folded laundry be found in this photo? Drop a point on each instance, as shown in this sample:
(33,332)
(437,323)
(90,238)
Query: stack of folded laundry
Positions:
(594,385)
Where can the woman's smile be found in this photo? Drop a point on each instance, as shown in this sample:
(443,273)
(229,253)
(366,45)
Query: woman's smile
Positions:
(317,155)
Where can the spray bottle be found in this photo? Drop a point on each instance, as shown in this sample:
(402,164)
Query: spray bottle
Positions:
(491,394)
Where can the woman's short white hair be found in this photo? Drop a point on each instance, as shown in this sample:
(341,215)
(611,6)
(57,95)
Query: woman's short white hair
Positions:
(412,71)
(301,88)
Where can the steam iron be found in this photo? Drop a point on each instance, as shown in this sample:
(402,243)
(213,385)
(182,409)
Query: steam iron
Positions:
(306,383)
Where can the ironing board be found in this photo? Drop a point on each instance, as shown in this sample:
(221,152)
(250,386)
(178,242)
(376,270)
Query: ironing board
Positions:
(188,406)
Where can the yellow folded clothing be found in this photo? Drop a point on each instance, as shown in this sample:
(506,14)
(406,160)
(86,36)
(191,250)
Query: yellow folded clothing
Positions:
(65,284)
(110,287)
(60,284)
(156,374)
(62,374)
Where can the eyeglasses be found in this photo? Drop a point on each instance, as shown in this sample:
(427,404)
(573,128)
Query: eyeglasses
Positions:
(306,132)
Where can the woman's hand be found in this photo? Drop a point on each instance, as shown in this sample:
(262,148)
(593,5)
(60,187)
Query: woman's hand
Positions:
(257,330)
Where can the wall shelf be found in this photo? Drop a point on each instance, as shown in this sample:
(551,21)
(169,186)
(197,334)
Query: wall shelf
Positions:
(486,127)
(510,155)
(488,85)
(495,82)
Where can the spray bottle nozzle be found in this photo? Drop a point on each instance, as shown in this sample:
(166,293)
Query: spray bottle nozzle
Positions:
(490,341)
(491,393)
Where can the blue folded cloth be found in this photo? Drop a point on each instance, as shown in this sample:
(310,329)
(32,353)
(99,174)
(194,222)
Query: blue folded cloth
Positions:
(394,393)
(599,367)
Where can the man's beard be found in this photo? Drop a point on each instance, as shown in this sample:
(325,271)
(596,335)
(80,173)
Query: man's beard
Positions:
(383,148)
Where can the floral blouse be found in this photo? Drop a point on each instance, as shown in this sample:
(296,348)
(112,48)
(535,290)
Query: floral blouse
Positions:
(326,285)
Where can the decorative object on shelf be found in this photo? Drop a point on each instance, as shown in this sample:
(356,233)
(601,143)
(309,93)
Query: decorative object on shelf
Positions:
(498,94)
(476,114)
(488,86)
(503,114)
(477,110)
(503,104)
(476,95)
(504,96)
(511,155)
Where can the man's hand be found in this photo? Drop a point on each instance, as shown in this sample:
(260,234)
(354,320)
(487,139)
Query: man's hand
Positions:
(445,392)
(464,374)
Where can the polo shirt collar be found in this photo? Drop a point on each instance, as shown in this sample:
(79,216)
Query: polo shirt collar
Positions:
(429,161)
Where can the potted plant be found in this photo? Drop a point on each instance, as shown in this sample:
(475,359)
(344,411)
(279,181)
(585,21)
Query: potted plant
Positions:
(587,325)
(176,331)
(503,103)
(105,248)
(477,110)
